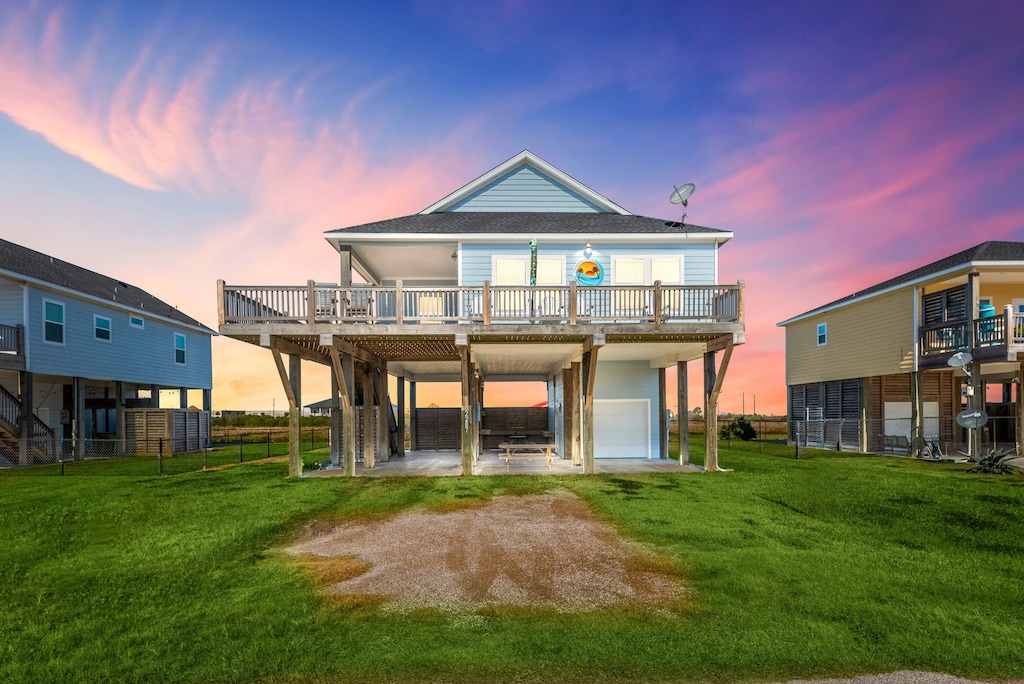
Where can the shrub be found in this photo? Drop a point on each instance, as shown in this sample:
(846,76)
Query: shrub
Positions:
(995,462)
(740,428)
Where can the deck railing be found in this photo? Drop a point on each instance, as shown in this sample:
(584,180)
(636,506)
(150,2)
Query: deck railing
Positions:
(991,331)
(486,304)
(10,339)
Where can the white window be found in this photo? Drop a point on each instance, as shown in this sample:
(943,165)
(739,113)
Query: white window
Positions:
(822,334)
(647,270)
(179,348)
(550,272)
(101,328)
(669,270)
(628,271)
(136,321)
(53,321)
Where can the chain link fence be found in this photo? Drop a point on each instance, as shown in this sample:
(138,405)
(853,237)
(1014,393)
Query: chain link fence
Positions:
(942,436)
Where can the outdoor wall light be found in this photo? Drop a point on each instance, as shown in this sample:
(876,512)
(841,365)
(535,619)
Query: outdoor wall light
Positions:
(588,251)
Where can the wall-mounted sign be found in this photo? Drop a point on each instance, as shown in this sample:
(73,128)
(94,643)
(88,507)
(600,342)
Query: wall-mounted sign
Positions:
(589,273)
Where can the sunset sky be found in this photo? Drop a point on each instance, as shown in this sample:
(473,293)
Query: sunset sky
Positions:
(173,144)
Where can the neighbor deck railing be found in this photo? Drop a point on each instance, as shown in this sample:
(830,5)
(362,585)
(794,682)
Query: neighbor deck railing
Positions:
(10,339)
(486,304)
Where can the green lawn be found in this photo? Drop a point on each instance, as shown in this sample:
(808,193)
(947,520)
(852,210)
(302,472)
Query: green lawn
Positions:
(830,565)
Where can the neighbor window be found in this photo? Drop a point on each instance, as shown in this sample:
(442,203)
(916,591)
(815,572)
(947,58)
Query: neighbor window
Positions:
(179,348)
(822,334)
(53,321)
(101,328)
(136,321)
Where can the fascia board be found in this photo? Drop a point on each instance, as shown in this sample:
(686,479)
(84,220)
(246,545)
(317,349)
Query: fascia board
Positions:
(77,294)
(525,157)
(345,237)
(895,288)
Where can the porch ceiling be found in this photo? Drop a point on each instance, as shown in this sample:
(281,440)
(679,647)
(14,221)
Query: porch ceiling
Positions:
(388,262)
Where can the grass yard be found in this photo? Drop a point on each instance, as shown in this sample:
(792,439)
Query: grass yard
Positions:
(830,565)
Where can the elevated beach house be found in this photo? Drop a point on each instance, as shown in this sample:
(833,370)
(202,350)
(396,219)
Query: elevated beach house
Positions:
(78,350)
(883,368)
(523,274)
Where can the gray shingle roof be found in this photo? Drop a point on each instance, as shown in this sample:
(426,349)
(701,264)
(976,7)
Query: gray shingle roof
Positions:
(526,222)
(38,266)
(986,251)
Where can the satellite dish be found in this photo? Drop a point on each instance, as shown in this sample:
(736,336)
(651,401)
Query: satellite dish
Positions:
(971,418)
(960,359)
(680,194)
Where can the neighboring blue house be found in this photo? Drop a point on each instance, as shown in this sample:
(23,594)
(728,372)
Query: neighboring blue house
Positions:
(522,274)
(77,348)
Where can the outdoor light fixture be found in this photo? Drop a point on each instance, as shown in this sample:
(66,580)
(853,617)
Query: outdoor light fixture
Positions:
(588,251)
(455,254)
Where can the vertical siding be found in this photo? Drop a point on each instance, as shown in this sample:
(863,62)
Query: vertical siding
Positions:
(525,189)
(698,258)
(874,337)
(631,380)
(11,303)
(132,355)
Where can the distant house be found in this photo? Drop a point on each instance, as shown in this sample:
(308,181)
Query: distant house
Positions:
(871,371)
(522,274)
(320,408)
(77,349)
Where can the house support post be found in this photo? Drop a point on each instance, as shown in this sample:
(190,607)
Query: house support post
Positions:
(1020,408)
(563,447)
(682,390)
(183,397)
(466,418)
(79,420)
(380,386)
(589,375)
(712,389)
(335,428)
(154,396)
(290,382)
(478,408)
(412,415)
(401,415)
(25,422)
(343,377)
(662,415)
(916,411)
(573,408)
(119,403)
(369,444)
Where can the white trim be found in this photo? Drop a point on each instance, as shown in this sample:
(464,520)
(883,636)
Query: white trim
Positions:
(525,158)
(78,294)
(821,330)
(110,328)
(142,323)
(339,237)
(63,324)
(495,258)
(26,338)
(560,258)
(1015,302)
(648,272)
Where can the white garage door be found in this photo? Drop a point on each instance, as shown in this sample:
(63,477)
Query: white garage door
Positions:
(622,428)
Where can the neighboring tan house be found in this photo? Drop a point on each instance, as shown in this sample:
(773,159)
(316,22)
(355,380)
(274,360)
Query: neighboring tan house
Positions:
(76,350)
(876,364)
(524,274)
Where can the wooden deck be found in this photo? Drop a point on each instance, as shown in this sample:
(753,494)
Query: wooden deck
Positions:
(449,463)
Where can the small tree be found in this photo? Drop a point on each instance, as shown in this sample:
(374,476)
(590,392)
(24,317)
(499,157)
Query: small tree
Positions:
(696,413)
(740,428)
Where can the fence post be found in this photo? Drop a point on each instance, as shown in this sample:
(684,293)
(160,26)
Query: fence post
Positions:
(312,433)
(160,456)
(206,453)
(239,446)
(268,443)
(797,440)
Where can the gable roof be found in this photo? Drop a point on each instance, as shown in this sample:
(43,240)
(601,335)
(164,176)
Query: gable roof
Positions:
(463,224)
(525,158)
(991,252)
(28,264)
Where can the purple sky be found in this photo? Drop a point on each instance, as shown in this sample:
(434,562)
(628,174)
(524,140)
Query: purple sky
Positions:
(842,142)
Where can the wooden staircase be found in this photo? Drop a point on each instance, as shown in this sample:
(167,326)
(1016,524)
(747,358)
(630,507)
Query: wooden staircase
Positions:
(43,446)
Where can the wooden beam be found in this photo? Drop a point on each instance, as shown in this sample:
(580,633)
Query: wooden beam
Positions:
(345,388)
(710,414)
(279,362)
(401,415)
(683,395)
(575,369)
(380,387)
(335,419)
(589,375)
(360,354)
(295,417)
(369,446)
(466,417)
(412,416)
(662,415)
(292,349)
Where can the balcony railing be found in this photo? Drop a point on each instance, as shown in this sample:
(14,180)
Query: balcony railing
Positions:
(1006,330)
(10,339)
(486,304)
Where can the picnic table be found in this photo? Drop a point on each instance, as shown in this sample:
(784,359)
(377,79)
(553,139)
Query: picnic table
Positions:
(522,450)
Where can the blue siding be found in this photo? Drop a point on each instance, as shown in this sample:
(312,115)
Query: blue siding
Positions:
(630,380)
(525,189)
(11,303)
(698,258)
(134,355)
